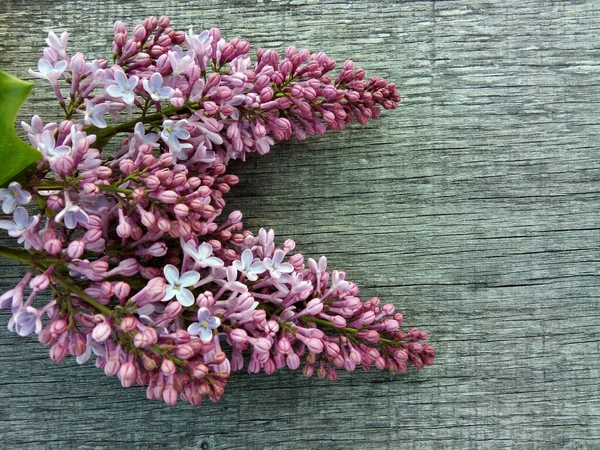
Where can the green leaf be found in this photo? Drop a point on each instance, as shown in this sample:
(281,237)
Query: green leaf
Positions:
(15,155)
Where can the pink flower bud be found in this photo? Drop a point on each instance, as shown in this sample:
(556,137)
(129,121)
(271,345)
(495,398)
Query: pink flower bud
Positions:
(184,351)
(40,282)
(169,396)
(121,290)
(139,33)
(127,166)
(168,367)
(181,210)
(168,196)
(284,346)
(173,310)
(58,352)
(92,235)
(58,326)
(238,337)
(103,172)
(75,249)
(101,332)
(77,344)
(293,361)
(314,307)
(127,374)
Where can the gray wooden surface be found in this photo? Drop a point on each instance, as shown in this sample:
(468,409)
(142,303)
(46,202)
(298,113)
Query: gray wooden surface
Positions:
(473,208)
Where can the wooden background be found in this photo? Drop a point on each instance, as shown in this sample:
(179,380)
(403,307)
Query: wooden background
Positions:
(473,208)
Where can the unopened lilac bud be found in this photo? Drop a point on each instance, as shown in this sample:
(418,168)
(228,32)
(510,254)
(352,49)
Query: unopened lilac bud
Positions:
(293,361)
(58,352)
(103,172)
(77,344)
(58,326)
(40,282)
(169,396)
(101,332)
(284,346)
(75,249)
(168,196)
(127,166)
(338,321)
(121,290)
(219,358)
(127,374)
(139,33)
(173,310)
(314,307)
(77,63)
(314,345)
(54,203)
(238,337)
(184,351)
(168,367)
(181,210)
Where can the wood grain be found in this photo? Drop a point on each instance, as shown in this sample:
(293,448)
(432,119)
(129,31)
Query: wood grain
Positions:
(473,208)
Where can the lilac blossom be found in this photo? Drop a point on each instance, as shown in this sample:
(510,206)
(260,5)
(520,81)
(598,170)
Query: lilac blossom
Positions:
(249,268)
(20,224)
(202,255)
(13,196)
(93,114)
(48,148)
(154,87)
(276,266)
(48,71)
(124,88)
(155,206)
(177,286)
(72,215)
(205,325)
(171,133)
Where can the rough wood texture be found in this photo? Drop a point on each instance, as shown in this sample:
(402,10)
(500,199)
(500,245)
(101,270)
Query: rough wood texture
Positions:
(473,208)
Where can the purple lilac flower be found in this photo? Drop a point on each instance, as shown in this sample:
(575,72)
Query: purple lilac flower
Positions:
(59,45)
(276,266)
(249,268)
(124,88)
(71,215)
(49,72)
(93,114)
(171,133)
(177,286)
(13,196)
(27,321)
(20,224)
(154,87)
(91,346)
(202,255)
(205,325)
(48,148)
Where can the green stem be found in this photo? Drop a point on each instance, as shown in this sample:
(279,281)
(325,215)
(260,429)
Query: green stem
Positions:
(345,329)
(42,264)
(103,135)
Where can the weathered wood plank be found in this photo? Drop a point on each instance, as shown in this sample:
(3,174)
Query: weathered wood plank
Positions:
(473,208)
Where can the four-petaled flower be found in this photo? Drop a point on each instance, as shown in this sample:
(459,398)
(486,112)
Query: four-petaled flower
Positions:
(155,88)
(171,133)
(21,224)
(177,286)
(49,72)
(93,114)
(27,321)
(202,254)
(71,215)
(13,196)
(124,87)
(48,147)
(276,266)
(248,267)
(205,325)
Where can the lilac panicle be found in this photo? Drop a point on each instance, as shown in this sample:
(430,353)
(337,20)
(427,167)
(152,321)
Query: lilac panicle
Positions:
(145,272)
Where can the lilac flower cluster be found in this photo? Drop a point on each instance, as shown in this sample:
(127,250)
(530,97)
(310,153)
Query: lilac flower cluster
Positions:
(144,272)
